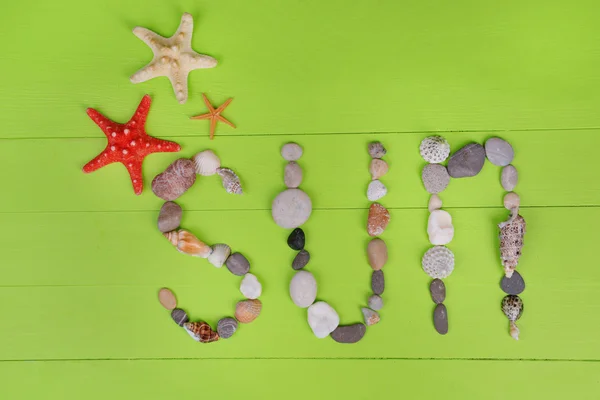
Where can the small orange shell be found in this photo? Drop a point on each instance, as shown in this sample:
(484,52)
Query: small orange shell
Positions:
(248,310)
(191,245)
(201,332)
(172,237)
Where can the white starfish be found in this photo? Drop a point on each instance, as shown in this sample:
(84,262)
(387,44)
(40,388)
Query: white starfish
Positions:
(173,57)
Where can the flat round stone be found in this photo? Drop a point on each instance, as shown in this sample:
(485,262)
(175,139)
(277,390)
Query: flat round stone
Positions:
(375,302)
(435,178)
(376,150)
(296,240)
(437,290)
(377,253)
(179,316)
(513,285)
(292,176)
(509,178)
(226,327)
(499,152)
(440,319)
(291,151)
(169,217)
(167,299)
(303,289)
(466,162)
(349,333)
(291,208)
(237,264)
(301,259)
(377,282)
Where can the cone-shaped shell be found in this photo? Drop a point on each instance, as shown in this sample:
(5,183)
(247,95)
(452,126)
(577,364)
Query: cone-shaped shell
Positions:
(172,237)
(201,332)
(206,163)
(191,245)
(511,242)
(248,310)
(231,182)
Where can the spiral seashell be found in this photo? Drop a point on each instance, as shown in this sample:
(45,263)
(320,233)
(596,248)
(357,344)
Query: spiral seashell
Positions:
(219,254)
(172,237)
(231,182)
(438,262)
(512,232)
(434,149)
(191,245)
(248,310)
(206,163)
(201,332)
(512,307)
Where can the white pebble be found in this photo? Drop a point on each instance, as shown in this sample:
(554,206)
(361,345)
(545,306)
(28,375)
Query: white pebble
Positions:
(323,319)
(251,287)
(439,227)
(435,203)
(303,289)
(376,190)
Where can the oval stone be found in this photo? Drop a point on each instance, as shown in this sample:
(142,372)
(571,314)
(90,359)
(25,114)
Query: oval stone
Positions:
(250,287)
(226,327)
(349,333)
(376,150)
(438,291)
(509,178)
(435,203)
(499,152)
(167,299)
(303,289)
(175,180)
(467,161)
(513,285)
(237,264)
(377,253)
(291,208)
(512,201)
(292,176)
(169,217)
(179,316)
(296,240)
(375,302)
(301,259)
(291,151)
(322,319)
(377,282)
(440,319)
(435,178)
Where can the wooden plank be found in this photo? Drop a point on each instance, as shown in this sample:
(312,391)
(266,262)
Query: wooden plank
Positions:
(309,66)
(299,379)
(553,172)
(83,285)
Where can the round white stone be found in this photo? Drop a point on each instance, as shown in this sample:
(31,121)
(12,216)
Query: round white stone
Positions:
(303,289)
(376,190)
(291,151)
(322,319)
(291,208)
(251,287)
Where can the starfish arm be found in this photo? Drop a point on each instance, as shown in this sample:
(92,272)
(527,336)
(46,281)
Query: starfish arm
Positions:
(153,40)
(161,146)
(223,106)
(150,71)
(179,81)
(198,61)
(141,113)
(134,167)
(213,125)
(98,162)
(222,119)
(184,32)
(211,109)
(203,116)
(104,123)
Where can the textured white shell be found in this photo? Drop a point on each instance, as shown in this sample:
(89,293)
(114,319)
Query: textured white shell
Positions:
(434,149)
(206,163)
(219,255)
(230,180)
(438,262)
(376,190)
(439,227)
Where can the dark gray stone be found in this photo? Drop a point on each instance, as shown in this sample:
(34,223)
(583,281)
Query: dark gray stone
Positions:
(226,327)
(179,316)
(296,240)
(440,319)
(513,285)
(438,291)
(301,259)
(237,264)
(169,217)
(467,161)
(377,282)
(349,333)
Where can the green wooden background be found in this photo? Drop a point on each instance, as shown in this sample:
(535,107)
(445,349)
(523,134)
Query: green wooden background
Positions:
(81,260)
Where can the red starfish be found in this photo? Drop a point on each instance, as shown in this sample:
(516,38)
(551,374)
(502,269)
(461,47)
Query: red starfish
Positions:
(128,143)
(214,115)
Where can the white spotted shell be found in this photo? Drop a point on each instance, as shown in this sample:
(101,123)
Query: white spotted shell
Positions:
(440,228)
(434,149)
(231,182)
(206,163)
(219,254)
(438,262)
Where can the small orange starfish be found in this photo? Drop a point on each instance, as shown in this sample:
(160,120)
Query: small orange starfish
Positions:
(214,115)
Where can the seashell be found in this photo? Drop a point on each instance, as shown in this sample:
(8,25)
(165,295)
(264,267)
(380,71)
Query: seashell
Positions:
(434,149)
(435,178)
(191,245)
(376,190)
(378,219)
(371,317)
(231,182)
(376,150)
(438,262)
(512,232)
(206,163)
(512,307)
(175,180)
(435,203)
(439,227)
(219,254)
(378,168)
(201,332)
(172,237)
(512,202)
(167,299)
(248,310)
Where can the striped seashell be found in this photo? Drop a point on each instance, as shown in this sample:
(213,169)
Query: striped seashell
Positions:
(219,254)
(191,245)
(206,163)
(201,332)
(512,232)
(172,237)
(231,182)
(248,310)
